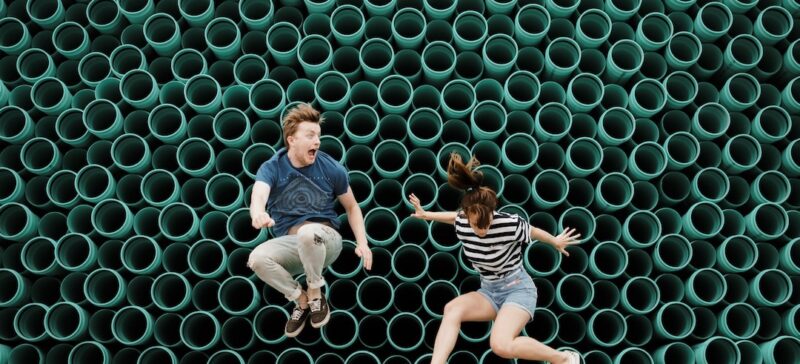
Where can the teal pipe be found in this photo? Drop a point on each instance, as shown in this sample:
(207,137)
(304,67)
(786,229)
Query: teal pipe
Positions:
(103,119)
(606,328)
(779,122)
(621,11)
(51,96)
(268,98)
(712,21)
(139,89)
(705,287)
(160,188)
(683,150)
(674,321)
(647,98)
(32,65)
(640,295)
(394,94)
(670,220)
(581,286)
(137,12)
(200,330)
(553,122)
(18,127)
(295,355)
(17,222)
(781,23)
(20,39)
(424,127)
(18,288)
(100,326)
(624,60)
(187,63)
(424,186)
(157,354)
(592,28)
(787,262)
(195,157)
(549,188)
(70,127)
(770,187)
(703,220)
(518,191)
(410,263)
(237,296)
(390,159)
(681,88)
(249,69)
(207,259)
(499,54)
(203,94)
(132,325)
(378,8)
(112,218)
(196,13)
(583,157)
(45,15)
(93,68)
(314,52)
(224,39)
(104,288)
(94,183)
(779,291)
(748,92)
(105,16)
(178,222)
(647,160)
(614,191)
(240,230)
(710,121)
(365,129)
(232,127)
(408,28)
(364,92)
(29,324)
(616,126)
(521,90)
(131,153)
(608,260)
(747,156)
(743,53)
(439,9)
(790,99)
(332,91)
(641,229)
(264,324)
(171,292)
(444,154)
(779,349)
(438,62)
(672,253)
(162,34)
(348,25)
(470,30)
(739,321)
(584,92)
(683,50)
(405,332)
(61,189)
(532,22)
(710,184)
(654,31)
(125,58)
(767,221)
(141,255)
(38,256)
(562,57)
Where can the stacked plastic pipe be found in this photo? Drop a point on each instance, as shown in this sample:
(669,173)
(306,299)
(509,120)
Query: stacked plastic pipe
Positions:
(666,132)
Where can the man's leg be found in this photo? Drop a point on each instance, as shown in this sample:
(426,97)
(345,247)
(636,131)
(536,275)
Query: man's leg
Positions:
(275,262)
(318,246)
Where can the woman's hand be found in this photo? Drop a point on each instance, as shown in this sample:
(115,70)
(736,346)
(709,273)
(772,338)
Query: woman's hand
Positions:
(418,211)
(566,238)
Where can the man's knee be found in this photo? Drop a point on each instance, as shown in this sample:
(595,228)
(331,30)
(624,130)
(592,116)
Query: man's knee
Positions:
(307,236)
(261,260)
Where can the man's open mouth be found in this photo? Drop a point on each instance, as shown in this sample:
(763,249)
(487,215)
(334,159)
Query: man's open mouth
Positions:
(312,153)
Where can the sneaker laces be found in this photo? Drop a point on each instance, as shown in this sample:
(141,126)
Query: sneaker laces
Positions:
(297,313)
(315,305)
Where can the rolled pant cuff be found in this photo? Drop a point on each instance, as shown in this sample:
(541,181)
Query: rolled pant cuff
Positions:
(316,284)
(295,294)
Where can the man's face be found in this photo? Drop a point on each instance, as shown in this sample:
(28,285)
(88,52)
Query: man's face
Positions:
(304,144)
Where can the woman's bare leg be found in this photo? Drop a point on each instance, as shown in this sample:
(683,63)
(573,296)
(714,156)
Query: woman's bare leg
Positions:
(507,343)
(472,306)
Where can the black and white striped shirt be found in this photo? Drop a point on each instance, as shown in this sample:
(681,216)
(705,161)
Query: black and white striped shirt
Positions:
(499,252)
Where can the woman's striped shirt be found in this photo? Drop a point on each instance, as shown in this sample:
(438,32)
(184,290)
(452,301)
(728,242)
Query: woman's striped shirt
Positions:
(499,252)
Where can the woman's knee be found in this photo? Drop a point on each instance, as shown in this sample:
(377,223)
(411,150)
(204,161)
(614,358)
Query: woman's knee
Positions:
(453,311)
(502,347)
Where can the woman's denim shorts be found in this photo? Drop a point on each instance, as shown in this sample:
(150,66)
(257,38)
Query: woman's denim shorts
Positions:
(516,289)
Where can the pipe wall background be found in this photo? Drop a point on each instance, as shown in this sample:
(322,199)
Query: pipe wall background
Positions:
(665,132)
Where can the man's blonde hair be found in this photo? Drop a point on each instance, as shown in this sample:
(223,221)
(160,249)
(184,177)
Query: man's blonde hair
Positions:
(298,114)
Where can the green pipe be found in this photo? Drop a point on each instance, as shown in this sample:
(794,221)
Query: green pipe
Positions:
(94,183)
(674,321)
(606,328)
(343,333)
(104,288)
(640,295)
(683,50)
(770,187)
(518,191)
(434,297)
(672,253)
(583,292)
(347,25)
(178,222)
(237,296)
(469,66)
(625,58)
(195,157)
(743,53)
(196,13)
(332,90)
(470,29)
(553,122)
(108,255)
(790,99)
(771,124)
(51,96)
(33,64)
(256,15)
(613,192)
(487,152)
(405,332)
(571,328)
(29,324)
(767,221)
(61,189)
(141,255)
(171,292)
(521,121)
(203,94)
(562,57)
(647,98)
(187,63)
(779,349)
(361,124)
(75,252)
(738,289)
(681,88)
(682,149)
(439,9)
(264,324)
(89,351)
(740,153)
(79,220)
(130,153)
(654,31)
(608,228)
(53,225)
(359,157)
(705,287)
(139,89)
(710,184)
(409,264)
(424,127)
(105,16)
(19,38)
(781,22)
(608,260)
(207,259)
(112,218)
(394,94)
(583,157)
(739,321)
(584,92)
(126,58)
(734,223)
(747,92)
(160,188)
(103,119)
(641,229)
(224,39)
(716,348)
(44,14)
(710,62)
(771,288)
(132,325)
(294,355)
(227,356)
(157,354)
(712,22)
(499,54)
(592,61)
(204,297)
(438,61)
(138,292)
(710,121)
(521,90)
(136,12)
(606,295)
(231,127)
(364,92)
(162,34)
(549,188)
(314,55)
(647,160)
(380,8)
(19,288)
(703,220)
(18,127)
(240,231)
(622,10)
(390,159)
(787,263)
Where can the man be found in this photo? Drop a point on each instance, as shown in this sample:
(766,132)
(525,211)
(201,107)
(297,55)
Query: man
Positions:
(304,182)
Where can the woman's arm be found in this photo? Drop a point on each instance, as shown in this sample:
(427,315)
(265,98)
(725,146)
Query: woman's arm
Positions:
(560,242)
(447,217)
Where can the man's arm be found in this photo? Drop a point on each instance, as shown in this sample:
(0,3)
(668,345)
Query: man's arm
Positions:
(356,220)
(258,202)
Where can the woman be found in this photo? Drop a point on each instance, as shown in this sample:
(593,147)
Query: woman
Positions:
(492,242)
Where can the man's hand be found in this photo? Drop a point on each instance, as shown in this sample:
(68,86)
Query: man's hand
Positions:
(363,251)
(262,220)
(418,211)
(565,239)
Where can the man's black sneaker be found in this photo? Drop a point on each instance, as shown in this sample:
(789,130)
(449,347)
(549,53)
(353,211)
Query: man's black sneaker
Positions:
(297,321)
(320,312)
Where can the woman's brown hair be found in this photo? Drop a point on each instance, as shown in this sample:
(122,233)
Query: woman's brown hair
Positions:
(479,201)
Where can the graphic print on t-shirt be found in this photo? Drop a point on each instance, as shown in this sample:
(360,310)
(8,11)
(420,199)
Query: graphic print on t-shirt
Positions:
(300,197)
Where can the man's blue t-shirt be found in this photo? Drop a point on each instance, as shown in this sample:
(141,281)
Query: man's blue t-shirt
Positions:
(300,194)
